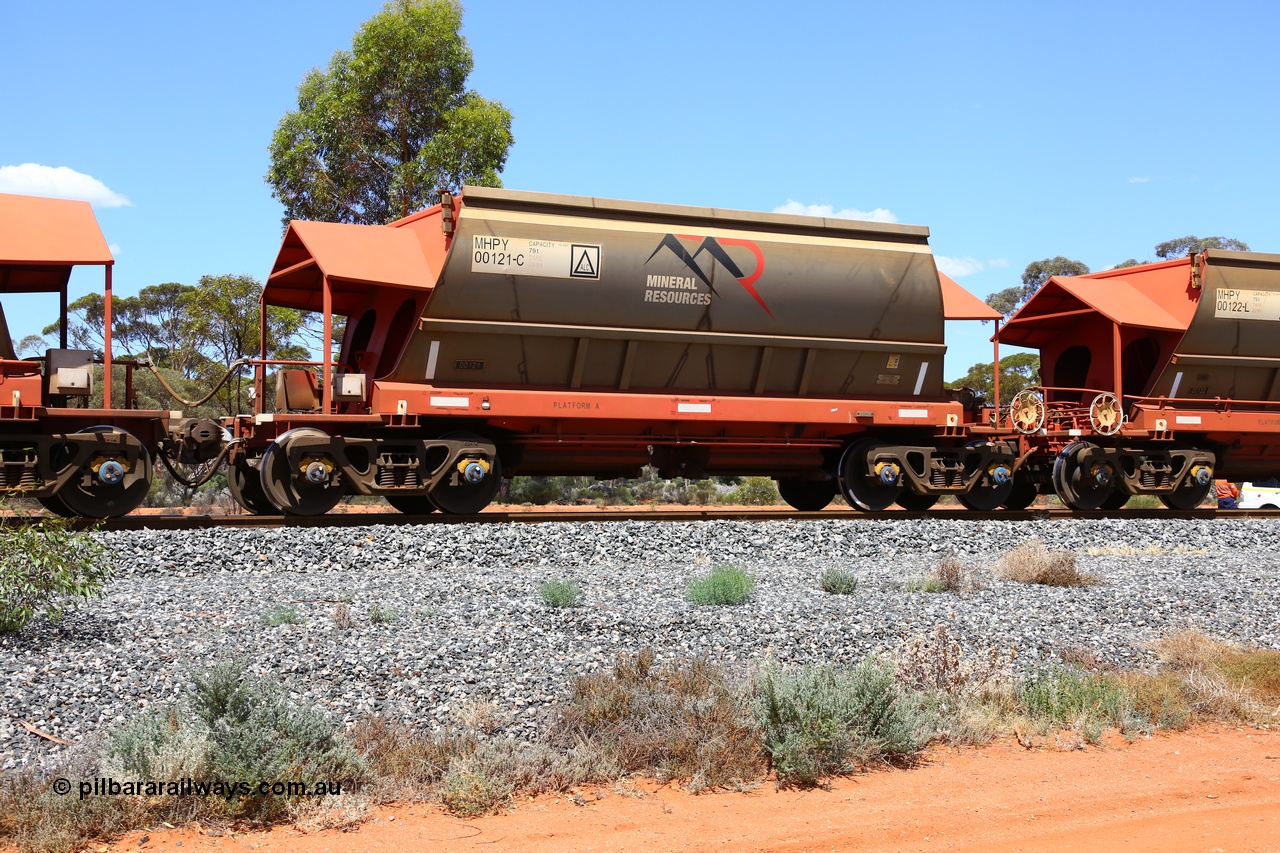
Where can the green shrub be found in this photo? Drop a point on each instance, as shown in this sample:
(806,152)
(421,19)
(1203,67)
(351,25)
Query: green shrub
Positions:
(560,593)
(838,582)
(254,732)
(379,614)
(1070,698)
(724,585)
(48,568)
(282,614)
(822,721)
(755,491)
(929,583)
(540,491)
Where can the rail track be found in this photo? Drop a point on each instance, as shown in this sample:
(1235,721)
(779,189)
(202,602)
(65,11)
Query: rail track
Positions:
(362,519)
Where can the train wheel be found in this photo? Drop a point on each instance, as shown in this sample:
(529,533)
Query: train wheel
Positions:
(1024,492)
(468,497)
(245,484)
(807,495)
(411,504)
(54,504)
(1077,487)
(916,503)
(1188,496)
(989,492)
(105,488)
(312,491)
(1116,500)
(865,488)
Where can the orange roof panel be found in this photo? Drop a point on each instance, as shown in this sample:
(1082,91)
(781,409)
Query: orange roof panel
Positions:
(374,254)
(1120,302)
(36,231)
(351,256)
(960,304)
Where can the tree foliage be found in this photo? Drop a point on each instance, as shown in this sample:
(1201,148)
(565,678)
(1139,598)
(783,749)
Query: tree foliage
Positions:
(1017,371)
(1033,278)
(389,122)
(1192,245)
(191,333)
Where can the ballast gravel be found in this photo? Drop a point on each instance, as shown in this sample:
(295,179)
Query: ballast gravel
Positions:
(463,620)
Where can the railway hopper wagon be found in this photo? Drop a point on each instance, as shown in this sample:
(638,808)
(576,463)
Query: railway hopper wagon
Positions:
(506,332)
(69,437)
(1156,379)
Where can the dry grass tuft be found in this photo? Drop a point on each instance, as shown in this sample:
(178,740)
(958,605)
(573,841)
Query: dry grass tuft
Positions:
(1227,681)
(950,576)
(937,662)
(1031,562)
(679,722)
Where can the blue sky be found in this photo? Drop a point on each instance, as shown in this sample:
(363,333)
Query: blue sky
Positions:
(1015,131)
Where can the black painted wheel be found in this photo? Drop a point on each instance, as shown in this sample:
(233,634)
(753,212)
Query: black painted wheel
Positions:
(411,504)
(1076,486)
(1024,492)
(91,495)
(289,489)
(1188,496)
(807,495)
(245,484)
(462,497)
(55,505)
(986,494)
(859,483)
(916,503)
(1116,500)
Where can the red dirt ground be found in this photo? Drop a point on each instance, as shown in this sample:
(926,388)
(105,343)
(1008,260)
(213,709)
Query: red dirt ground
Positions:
(1215,789)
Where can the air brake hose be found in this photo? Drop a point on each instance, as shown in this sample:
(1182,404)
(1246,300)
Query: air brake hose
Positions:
(191,404)
(213,468)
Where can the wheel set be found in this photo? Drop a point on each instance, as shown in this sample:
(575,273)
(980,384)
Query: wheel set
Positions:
(297,475)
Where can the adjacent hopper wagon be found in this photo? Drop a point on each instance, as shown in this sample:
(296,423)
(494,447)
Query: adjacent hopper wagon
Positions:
(71,434)
(1157,379)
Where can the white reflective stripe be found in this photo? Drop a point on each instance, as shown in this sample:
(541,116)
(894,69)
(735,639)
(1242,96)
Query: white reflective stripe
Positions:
(263,419)
(431,359)
(1075,432)
(924,368)
(1177,380)
(1187,419)
(913,413)
(452,402)
(696,408)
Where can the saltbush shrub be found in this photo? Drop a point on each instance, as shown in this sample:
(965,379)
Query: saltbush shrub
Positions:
(821,721)
(724,585)
(838,582)
(560,593)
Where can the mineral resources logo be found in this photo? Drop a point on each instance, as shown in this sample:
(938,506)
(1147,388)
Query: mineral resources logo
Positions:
(684,290)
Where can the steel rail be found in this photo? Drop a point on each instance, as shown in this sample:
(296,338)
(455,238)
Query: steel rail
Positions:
(362,519)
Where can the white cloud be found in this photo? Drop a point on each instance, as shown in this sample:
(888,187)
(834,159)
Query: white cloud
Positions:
(999,263)
(58,182)
(114,248)
(1139,180)
(957,267)
(880,214)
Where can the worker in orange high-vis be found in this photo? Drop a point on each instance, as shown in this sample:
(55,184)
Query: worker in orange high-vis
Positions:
(1226,493)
